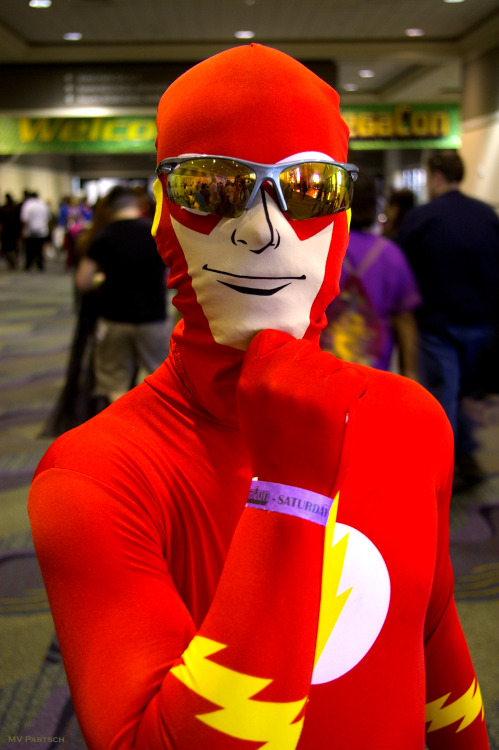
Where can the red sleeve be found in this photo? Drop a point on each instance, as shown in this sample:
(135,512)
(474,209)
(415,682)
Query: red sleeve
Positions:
(140,674)
(454,709)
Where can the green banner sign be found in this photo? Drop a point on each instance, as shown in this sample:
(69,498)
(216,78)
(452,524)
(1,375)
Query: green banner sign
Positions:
(76,135)
(372,127)
(403,126)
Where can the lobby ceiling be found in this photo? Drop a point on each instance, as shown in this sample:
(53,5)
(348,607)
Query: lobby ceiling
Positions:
(358,35)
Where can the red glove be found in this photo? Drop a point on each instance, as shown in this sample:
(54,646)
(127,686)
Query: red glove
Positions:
(296,408)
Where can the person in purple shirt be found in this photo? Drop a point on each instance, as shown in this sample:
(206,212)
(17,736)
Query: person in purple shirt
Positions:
(378,294)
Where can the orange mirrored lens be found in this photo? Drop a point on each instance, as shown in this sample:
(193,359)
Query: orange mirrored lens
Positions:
(316,189)
(214,186)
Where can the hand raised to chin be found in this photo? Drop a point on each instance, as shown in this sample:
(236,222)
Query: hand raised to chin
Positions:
(297,411)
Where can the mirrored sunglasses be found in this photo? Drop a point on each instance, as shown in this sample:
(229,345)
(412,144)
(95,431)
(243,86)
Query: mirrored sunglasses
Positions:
(227,187)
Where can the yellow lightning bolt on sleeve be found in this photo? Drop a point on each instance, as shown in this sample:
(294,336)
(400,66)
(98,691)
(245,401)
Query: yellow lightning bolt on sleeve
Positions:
(466,708)
(240,716)
(332,603)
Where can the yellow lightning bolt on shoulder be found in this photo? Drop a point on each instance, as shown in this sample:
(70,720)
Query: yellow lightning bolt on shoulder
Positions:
(466,708)
(157,190)
(332,603)
(239,716)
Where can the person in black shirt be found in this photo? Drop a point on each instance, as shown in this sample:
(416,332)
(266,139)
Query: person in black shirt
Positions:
(131,332)
(10,230)
(452,244)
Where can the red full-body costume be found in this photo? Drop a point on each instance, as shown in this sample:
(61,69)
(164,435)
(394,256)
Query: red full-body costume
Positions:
(190,621)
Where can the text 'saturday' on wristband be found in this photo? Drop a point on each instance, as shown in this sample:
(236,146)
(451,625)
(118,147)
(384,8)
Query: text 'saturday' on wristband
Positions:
(293,501)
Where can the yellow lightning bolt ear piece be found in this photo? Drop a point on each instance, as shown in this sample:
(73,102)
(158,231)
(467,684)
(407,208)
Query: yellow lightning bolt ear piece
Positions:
(349,217)
(157,190)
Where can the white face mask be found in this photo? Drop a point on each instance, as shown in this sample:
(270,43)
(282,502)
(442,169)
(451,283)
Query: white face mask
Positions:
(253,272)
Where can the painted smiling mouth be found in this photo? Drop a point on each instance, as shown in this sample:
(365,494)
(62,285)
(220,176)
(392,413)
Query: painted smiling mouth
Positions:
(254,290)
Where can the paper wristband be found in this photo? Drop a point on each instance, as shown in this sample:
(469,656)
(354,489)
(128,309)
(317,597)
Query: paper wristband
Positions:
(293,501)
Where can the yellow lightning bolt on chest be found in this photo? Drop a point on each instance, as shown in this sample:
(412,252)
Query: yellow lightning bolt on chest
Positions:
(332,603)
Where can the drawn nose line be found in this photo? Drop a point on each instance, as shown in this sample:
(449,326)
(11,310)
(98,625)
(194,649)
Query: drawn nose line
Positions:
(275,237)
(234,241)
(273,244)
(273,232)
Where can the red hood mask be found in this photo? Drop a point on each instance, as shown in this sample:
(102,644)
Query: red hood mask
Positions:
(237,276)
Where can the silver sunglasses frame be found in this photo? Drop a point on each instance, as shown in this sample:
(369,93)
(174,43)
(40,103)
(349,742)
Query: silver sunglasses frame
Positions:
(264,172)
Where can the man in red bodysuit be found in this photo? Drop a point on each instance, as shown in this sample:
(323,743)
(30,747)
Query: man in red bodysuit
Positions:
(250,549)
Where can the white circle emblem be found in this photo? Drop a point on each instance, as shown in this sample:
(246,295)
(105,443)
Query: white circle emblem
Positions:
(364,609)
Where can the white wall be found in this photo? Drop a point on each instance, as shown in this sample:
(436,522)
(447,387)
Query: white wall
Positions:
(480,152)
(50,185)
(480,128)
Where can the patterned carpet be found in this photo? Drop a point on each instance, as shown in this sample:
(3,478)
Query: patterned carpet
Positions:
(36,328)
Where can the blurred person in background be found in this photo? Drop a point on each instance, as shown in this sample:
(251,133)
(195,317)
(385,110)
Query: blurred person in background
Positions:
(397,207)
(10,227)
(452,244)
(378,295)
(61,224)
(35,218)
(131,330)
(76,402)
(78,220)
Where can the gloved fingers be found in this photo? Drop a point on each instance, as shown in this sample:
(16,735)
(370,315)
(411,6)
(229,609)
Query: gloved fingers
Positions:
(296,408)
